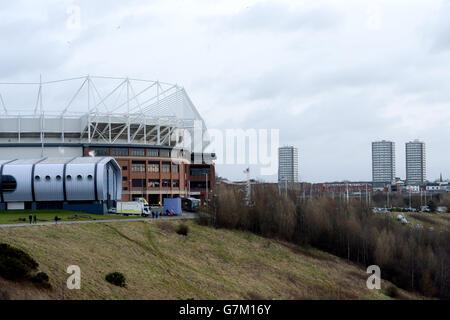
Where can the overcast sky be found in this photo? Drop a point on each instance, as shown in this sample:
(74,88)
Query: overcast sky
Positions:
(331,77)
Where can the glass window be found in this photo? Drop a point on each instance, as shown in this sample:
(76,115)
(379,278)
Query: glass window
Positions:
(9,184)
(138,183)
(124,168)
(166,183)
(153,183)
(199,171)
(166,167)
(124,178)
(138,152)
(153,153)
(138,166)
(153,167)
(176,183)
(175,168)
(120,152)
(100,151)
(164,153)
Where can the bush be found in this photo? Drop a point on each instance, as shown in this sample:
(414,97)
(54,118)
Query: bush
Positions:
(392,291)
(116,278)
(41,278)
(204,219)
(183,229)
(15,264)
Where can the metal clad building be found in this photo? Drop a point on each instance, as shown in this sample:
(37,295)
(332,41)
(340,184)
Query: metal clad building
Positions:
(89,180)
(147,126)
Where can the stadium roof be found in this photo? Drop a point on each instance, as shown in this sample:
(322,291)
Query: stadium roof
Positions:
(130,109)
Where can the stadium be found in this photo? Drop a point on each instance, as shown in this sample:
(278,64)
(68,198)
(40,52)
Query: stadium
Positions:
(146,126)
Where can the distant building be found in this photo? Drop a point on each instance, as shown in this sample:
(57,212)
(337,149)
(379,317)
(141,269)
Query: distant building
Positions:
(383,162)
(288,164)
(415,163)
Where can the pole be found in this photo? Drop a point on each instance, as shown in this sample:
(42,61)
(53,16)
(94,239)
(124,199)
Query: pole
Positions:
(206,176)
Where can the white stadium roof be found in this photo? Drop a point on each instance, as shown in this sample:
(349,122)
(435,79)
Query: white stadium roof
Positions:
(96,109)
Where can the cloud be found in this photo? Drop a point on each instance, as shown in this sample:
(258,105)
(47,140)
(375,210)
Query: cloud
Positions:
(318,71)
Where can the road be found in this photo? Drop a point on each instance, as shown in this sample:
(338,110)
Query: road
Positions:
(185,215)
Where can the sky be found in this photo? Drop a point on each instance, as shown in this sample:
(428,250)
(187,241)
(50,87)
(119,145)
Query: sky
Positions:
(331,76)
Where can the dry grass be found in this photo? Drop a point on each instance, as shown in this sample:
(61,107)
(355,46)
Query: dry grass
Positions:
(159,264)
(436,220)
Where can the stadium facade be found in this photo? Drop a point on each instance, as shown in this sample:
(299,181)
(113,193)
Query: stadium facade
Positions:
(148,127)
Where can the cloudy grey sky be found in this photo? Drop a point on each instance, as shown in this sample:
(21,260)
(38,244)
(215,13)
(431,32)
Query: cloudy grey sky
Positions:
(331,75)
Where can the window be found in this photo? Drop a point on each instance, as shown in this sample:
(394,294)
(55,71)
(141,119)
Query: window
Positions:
(153,167)
(138,183)
(37,178)
(166,167)
(69,177)
(124,168)
(120,152)
(47,178)
(200,171)
(125,188)
(175,153)
(124,178)
(199,184)
(166,183)
(153,183)
(164,153)
(58,178)
(79,177)
(9,184)
(153,153)
(100,151)
(138,152)
(89,177)
(175,168)
(138,166)
(176,183)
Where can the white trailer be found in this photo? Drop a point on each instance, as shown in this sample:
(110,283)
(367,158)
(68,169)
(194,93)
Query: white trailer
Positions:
(133,208)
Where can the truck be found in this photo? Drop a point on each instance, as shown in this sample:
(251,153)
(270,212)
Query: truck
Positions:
(133,208)
(172,205)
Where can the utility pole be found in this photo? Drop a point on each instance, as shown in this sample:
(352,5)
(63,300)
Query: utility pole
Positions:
(410,198)
(206,176)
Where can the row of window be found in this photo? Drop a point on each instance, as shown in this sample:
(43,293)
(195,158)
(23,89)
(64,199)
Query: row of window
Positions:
(58,177)
(136,152)
(154,183)
(139,166)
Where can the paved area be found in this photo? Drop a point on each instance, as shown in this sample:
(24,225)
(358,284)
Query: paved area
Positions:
(185,215)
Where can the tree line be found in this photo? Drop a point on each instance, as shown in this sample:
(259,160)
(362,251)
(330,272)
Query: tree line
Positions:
(413,259)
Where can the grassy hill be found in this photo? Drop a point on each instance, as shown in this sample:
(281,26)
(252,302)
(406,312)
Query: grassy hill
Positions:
(22,216)
(160,264)
(439,221)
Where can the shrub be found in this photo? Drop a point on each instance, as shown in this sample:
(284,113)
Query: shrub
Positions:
(392,291)
(15,264)
(41,278)
(183,229)
(204,219)
(116,278)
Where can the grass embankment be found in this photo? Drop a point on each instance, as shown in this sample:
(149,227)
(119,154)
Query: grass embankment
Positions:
(160,264)
(439,221)
(22,216)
